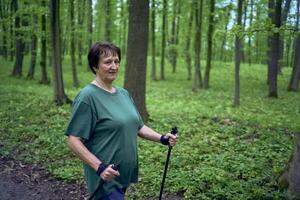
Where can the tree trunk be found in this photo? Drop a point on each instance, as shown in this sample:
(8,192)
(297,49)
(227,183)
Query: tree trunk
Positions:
(163,41)
(295,76)
(81,13)
(58,85)
(198,25)
(31,70)
(174,35)
(243,56)
(136,56)
(224,40)
(153,68)
(43,62)
(290,179)
(250,37)
(274,54)
(284,16)
(20,44)
(90,26)
(108,21)
(11,30)
(209,44)
(236,100)
(72,45)
(187,47)
(3,15)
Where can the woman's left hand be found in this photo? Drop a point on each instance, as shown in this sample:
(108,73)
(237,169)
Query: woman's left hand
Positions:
(172,139)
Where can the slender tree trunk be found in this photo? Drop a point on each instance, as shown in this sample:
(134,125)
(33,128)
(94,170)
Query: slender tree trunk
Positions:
(250,37)
(163,41)
(20,44)
(236,100)
(31,70)
(209,44)
(90,25)
(11,30)
(72,45)
(108,22)
(81,13)
(43,60)
(136,56)
(257,35)
(187,47)
(153,68)
(224,40)
(58,85)
(3,15)
(284,15)
(295,76)
(198,25)
(274,54)
(173,48)
(243,56)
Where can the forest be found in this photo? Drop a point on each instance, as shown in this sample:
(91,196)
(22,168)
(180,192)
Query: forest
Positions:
(225,72)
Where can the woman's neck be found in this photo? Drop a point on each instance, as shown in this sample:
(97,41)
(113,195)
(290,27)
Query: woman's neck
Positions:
(104,85)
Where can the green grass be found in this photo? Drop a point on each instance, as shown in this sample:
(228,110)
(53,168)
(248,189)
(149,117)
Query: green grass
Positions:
(223,152)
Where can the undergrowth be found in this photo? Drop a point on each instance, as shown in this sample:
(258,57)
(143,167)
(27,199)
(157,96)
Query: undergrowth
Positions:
(223,152)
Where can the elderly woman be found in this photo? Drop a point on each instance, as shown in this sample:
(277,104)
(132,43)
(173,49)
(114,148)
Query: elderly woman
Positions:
(104,126)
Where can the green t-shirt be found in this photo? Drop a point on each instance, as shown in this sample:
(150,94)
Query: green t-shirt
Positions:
(108,124)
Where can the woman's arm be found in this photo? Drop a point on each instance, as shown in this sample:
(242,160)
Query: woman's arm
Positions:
(149,134)
(82,152)
(90,159)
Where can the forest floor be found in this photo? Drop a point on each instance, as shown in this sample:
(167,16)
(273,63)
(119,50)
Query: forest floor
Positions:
(30,182)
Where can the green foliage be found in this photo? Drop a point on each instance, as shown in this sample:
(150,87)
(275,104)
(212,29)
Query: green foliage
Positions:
(223,152)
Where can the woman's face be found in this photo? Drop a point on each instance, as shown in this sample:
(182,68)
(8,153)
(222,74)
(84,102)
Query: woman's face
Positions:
(108,68)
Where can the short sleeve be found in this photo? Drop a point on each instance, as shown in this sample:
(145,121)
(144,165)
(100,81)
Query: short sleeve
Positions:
(82,122)
(141,123)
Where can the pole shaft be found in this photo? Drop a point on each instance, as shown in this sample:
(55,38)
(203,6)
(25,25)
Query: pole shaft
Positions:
(165,173)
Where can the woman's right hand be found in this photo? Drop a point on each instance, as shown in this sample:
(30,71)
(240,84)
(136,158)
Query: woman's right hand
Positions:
(109,173)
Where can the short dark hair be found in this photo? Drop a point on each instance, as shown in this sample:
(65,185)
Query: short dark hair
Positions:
(99,50)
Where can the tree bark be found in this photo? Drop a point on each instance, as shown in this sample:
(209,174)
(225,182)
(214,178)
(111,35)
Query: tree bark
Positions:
(4,7)
(223,56)
(209,44)
(187,54)
(72,45)
(243,56)
(31,70)
(60,97)
(90,25)
(290,179)
(153,48)
(174,35)
(295,76)
(198,25)
(20,44)
(284,16)
(43,60)
(250,37)
(274,46)
(163,41)
(108,21)
(81,13)
(136,56)
(11,30)
(236,100)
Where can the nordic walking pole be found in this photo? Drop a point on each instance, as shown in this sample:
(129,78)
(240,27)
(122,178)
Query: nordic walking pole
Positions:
(174,132)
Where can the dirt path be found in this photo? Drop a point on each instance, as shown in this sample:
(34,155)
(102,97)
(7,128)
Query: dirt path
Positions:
(23,181)
(29,182)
